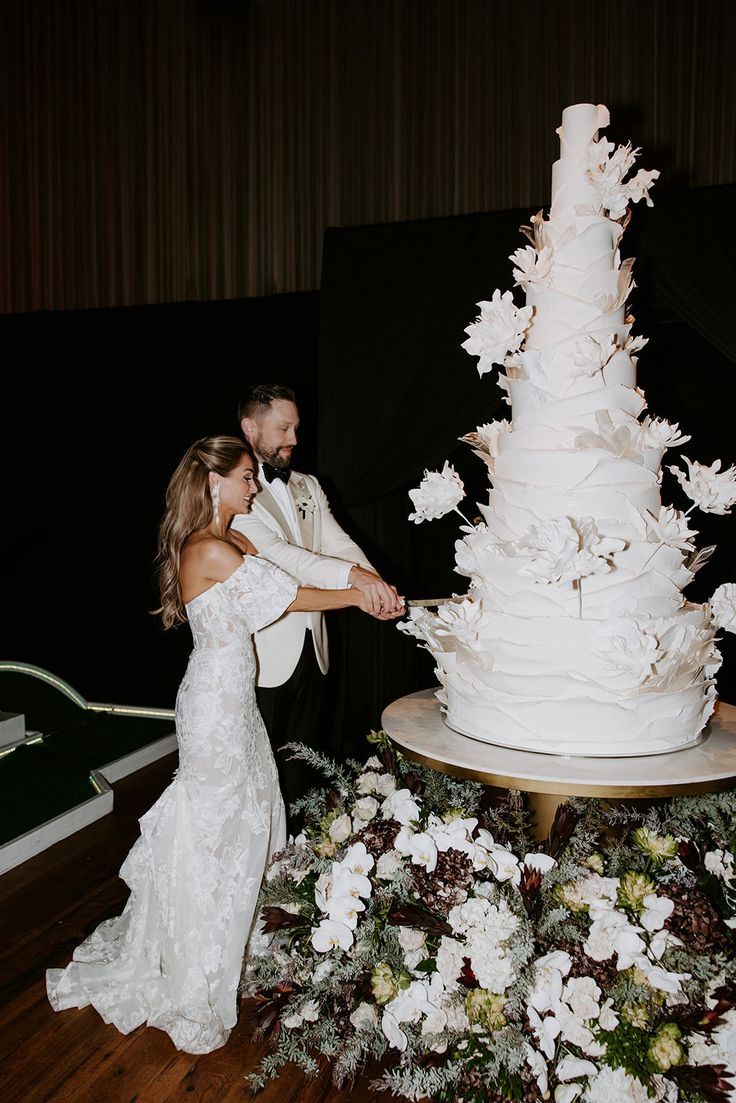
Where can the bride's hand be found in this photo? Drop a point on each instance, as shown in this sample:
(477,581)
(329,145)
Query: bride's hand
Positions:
(398,609)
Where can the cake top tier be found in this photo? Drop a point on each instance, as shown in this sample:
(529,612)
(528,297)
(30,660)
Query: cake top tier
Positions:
(572,188)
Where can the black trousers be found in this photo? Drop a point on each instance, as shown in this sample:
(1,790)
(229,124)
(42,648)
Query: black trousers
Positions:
(292,713)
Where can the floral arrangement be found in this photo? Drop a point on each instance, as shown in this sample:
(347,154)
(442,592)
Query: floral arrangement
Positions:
(417,921)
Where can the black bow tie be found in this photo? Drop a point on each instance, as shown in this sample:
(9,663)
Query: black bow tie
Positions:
(270,473)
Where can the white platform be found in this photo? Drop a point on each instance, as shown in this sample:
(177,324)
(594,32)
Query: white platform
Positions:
(22,848)
(415,723)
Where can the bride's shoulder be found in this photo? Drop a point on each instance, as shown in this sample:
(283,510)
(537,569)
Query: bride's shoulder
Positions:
(209,555)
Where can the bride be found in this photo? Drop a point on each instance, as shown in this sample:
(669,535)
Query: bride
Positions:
(173,959)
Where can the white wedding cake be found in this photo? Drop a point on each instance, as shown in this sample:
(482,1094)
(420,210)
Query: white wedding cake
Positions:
(574,637)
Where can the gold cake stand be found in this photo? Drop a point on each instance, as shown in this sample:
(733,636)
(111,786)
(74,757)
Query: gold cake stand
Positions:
(416,725)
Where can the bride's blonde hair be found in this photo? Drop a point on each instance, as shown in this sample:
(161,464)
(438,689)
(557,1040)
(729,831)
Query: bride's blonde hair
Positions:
(188,509)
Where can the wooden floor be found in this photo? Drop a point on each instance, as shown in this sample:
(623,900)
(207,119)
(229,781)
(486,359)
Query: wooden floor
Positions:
(47,906)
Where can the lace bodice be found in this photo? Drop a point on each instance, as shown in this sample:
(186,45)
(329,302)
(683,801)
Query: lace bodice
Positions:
(254,595)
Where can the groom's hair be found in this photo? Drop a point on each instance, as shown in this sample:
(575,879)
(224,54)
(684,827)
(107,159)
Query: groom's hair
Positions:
(259,398)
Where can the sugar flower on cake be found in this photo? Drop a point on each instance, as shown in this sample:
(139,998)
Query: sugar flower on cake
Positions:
(712,490)
(631,646)
(498,331)
(658,433)
(460,620)
(593,353)
(624,438)
(608,304)
(438,494)
(670,528)
(608,167)
(723,607)
(566,550)
(486,439)
(532,265)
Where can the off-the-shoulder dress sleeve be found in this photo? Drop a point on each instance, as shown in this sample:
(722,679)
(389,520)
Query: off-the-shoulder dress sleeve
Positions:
(261,590)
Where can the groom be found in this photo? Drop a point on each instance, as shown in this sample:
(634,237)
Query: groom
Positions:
(292,526)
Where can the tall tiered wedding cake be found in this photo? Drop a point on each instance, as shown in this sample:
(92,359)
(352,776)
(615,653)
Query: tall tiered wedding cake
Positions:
(574,637)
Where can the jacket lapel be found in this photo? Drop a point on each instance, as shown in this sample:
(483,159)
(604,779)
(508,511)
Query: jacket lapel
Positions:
(267,502)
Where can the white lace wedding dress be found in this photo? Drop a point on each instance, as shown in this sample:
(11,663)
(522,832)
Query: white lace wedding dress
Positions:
(173,959)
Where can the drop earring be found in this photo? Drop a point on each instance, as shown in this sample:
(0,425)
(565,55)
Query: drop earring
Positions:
(216,503)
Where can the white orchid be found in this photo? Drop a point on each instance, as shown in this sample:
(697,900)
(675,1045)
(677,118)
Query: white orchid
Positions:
(538,1066)
(439,493)
(498,330)
(358,860)
(347,883)
(422,851)
(331,934)
(656,911)
(712,490)
(570,1068)
(345,910)
(541,863)
(393,1032)
(723,607)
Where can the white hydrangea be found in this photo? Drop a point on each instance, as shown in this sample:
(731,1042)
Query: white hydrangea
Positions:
(615,1085)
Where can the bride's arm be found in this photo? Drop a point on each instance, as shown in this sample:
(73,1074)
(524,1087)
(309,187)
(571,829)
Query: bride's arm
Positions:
(310,600)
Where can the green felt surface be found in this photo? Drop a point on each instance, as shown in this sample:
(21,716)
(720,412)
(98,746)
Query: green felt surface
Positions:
(44,779)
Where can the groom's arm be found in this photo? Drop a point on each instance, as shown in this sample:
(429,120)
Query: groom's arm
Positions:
(363,575)
(308,568)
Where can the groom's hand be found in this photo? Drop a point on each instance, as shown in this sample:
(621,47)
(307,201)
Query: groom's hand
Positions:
(381,599)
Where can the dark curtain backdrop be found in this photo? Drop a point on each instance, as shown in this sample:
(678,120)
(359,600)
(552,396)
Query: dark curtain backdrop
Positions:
(98,408)
(169,150)
(396,391)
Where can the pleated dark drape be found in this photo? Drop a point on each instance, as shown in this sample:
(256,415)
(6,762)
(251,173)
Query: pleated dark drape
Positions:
(163,150)
(396,391)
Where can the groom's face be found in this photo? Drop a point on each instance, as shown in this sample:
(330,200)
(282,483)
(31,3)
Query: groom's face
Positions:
(272,435)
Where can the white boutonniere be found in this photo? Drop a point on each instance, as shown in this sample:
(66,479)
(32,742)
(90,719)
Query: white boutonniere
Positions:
(305,503)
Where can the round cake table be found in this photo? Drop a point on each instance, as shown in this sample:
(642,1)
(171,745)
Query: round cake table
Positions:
(416,725)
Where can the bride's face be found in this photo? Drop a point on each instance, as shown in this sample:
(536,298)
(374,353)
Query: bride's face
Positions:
(238,489)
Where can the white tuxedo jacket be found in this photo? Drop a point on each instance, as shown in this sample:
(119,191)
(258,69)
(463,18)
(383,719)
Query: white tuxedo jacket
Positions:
(318,560)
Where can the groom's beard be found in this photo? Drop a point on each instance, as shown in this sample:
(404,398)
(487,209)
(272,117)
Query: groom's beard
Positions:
(275,457)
